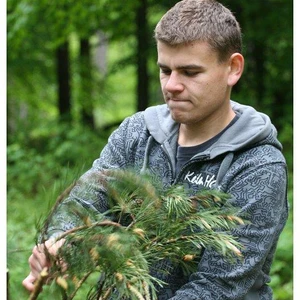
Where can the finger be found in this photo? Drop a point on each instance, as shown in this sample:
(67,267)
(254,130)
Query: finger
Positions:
(40,251)
(37,261)
(63,265)
(53,246)
(28,282)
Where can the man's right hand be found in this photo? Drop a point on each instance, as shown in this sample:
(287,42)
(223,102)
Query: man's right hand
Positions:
(38,261)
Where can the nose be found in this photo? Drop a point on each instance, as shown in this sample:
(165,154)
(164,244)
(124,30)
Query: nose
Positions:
(173,83)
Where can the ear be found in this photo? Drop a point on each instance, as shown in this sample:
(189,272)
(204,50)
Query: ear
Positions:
(236,68)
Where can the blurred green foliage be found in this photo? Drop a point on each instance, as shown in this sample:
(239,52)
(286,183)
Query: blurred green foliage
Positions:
(38,171)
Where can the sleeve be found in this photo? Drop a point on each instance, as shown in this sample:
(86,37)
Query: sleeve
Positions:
(89,194)
(261,194)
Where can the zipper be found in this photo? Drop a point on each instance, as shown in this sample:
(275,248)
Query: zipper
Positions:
(170,163)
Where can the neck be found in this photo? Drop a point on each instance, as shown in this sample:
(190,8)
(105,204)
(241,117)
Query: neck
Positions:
(198,133)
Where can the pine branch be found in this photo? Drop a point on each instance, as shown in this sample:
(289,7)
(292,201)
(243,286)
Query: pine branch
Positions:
(149,223)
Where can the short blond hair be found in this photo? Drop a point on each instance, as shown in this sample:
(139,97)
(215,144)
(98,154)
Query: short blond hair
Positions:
(201,20)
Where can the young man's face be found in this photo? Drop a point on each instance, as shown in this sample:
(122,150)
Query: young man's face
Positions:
(195,85)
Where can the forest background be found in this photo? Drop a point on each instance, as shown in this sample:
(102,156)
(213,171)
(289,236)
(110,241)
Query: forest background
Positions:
(76,69)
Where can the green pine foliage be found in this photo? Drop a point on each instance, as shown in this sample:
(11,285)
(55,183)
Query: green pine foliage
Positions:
(146,223)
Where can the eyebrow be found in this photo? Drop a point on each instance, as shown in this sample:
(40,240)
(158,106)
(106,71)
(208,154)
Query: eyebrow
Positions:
(183,67)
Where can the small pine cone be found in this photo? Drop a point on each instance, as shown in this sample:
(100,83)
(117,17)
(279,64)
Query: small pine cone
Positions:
(62,282)
(119,276)
(112,239)
(129,263)
(94,254)
(188,257)
(139,232)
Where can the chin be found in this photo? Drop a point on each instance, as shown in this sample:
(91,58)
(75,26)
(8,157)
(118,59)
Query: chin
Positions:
(179,118)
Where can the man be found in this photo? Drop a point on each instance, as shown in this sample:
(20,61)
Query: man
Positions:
(202,139)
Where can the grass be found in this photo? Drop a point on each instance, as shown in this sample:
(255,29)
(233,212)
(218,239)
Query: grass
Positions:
(22,217)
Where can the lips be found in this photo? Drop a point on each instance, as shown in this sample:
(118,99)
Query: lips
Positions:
(178,104)
(176,99)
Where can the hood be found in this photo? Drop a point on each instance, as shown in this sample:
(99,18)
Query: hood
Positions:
(251,128)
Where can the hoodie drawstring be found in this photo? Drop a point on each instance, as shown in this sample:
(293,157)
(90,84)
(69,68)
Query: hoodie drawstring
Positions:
(146,156)
(224,168)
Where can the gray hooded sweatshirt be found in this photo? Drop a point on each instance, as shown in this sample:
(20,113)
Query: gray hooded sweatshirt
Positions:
(246,162)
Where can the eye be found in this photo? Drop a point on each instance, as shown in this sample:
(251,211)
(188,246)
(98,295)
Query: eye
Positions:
(189,73)
(165,71)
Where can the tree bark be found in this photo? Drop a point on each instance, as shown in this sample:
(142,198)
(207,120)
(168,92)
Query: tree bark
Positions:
(86,102)
(142,55)
(63,77)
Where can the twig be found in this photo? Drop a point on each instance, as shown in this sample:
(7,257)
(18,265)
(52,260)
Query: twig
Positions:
(18,250)
(135,291)
(59,199)
(82,280)
(106,295)
(39,284)
(102,223)
(146,289)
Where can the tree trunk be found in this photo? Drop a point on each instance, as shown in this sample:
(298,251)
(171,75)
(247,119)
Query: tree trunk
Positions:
(142,55)
(86,84)
(63,77)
